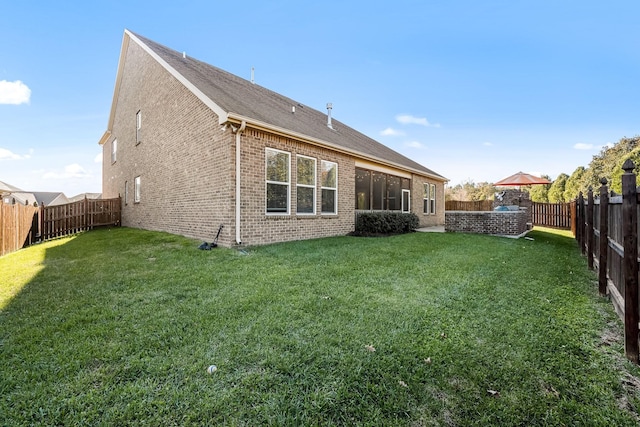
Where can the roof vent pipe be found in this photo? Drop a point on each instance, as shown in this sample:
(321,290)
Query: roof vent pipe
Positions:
(329,107)
(184,55)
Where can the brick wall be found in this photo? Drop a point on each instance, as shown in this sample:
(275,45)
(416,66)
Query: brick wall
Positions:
(184,159)
(505,223)
(186,163)
(417,198)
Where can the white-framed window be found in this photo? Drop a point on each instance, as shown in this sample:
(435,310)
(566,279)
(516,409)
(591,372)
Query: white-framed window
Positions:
(406,201)
(126,193)
(306,185)
(278,178)
(136,189)
(329,186)
(426,198)
(138,127)
(114,150)
(432,200)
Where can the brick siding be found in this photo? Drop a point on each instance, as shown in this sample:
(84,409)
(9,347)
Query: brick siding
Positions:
(186,164)
(505,223)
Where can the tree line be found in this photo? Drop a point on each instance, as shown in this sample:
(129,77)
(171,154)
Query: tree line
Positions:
(606,164)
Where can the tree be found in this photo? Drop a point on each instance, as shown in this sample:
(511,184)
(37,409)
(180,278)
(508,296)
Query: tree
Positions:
(557,189)
(539,193)
(470,191)
(615,183)
(573,185)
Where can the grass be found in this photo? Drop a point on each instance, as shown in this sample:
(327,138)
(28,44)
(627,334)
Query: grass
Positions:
(118,327)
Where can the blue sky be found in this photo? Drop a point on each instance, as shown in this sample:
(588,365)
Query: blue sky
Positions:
(475,90)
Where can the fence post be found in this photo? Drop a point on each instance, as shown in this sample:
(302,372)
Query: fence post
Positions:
(604,237)
(580,222)
(630,268)
(590,238)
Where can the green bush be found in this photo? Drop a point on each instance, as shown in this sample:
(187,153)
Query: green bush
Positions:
(375,223)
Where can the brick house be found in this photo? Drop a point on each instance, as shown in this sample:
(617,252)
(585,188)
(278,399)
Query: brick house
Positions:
(189,147)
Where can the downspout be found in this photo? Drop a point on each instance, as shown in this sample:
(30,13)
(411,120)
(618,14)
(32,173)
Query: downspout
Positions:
(238,133)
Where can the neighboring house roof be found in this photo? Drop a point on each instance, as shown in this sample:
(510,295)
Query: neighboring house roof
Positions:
(21,197)
(7,188)
(235,99)
(90,196)
(47,198)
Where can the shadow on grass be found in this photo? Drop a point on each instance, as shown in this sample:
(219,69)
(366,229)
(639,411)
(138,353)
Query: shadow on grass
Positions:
(118,327)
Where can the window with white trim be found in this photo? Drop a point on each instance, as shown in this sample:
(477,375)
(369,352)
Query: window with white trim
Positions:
(114,150)
(432,200)
(406,200)
(138,127)
(425,198)
(278,176)
(306,185)
(329,186)
(136,190)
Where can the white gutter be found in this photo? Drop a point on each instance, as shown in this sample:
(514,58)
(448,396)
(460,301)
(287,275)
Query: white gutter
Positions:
(237,118)
(238,133)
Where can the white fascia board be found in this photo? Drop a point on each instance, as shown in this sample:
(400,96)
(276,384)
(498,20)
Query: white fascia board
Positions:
(105,137)
(238,118)
(221,113)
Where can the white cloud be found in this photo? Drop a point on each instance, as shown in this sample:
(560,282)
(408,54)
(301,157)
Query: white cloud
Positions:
(414,144)
(9,155)
(406,119)
(581,146)
(14,93)
(70,171)
(391,132)
(98,158)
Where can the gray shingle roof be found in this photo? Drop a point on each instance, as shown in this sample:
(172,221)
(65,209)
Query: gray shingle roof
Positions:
(237,96)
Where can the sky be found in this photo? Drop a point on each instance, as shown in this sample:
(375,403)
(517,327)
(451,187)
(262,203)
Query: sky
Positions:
(474,90)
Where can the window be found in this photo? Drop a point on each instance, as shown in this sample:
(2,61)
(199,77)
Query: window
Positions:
(329,183)
(138,127)
(126,193)
(425,198)
(136,190)
(432,209)
(406,200)
(277,178)
(114,150)
(306,185)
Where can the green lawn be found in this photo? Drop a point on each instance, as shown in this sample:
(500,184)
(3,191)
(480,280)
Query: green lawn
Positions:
(118,327)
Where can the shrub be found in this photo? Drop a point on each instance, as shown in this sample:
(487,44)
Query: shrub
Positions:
(376,223)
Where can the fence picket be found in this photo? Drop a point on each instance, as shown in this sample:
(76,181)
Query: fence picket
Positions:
(617,250)
(22,225)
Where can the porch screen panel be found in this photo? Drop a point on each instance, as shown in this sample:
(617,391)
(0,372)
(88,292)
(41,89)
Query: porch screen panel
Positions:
(363,189)
(379,192)
(394,191)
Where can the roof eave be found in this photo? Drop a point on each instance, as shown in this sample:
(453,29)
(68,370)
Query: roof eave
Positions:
(257,124)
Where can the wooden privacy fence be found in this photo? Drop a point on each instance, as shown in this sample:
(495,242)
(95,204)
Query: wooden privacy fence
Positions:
(555,215)
(607,231)
(71,218)
(21,225)
(459,205)
(18,225)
